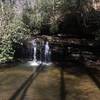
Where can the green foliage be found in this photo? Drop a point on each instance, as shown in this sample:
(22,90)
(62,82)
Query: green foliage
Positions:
(32,20)
(12,30)
(14,33)
(49,13)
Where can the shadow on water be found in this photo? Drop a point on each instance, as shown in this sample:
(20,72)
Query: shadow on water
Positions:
(24,87)
(63,92)
(78,68)
(62,85)
(91,73)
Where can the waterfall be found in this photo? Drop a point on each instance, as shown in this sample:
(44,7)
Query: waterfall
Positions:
(47,49)
(41,53)
(47,54)
(34,62)
(35,49)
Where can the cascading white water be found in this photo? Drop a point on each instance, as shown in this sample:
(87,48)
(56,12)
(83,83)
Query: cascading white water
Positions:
(34,54)
(34,62)
(44,56)
(47,54)
(34,46)
(47,48)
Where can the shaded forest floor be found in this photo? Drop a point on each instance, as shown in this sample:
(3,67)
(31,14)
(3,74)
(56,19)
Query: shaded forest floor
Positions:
(56,82)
